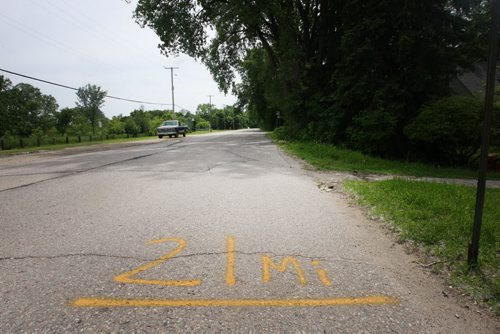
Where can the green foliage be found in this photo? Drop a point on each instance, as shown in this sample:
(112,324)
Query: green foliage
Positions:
(448,130)
(26,112)
(439,218)
(330,157)
(64,118)
(350,72)
(131,126)
(90,100)
(229,117)
(23,108)
(142,119)
(374,132)
(116,125)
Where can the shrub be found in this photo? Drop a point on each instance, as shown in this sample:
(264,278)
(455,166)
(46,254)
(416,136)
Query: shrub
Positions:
(448,130)
(373,132)
(131,127)
(288,133)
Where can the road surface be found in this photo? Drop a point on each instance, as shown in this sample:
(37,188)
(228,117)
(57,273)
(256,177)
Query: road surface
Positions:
(215,233)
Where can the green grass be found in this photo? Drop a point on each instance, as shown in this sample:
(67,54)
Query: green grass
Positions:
(330,157)
(439,217)
(51,147)
(55,147)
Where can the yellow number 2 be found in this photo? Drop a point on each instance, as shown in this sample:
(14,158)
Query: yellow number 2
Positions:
(127,277)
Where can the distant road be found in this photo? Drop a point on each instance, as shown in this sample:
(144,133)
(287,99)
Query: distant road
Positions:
(215,233)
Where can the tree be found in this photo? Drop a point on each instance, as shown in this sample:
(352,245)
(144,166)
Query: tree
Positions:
(5,119)
(448,131)
(142,119)
(131,127)
(90,100)
(333,69)
(64,118)
(47,117)
(116,125)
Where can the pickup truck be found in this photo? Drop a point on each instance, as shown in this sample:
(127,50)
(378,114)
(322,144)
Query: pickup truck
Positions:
(171,128)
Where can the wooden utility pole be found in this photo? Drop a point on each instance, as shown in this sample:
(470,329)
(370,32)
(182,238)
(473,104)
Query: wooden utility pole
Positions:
(485,139)
(172,83)
(210,110)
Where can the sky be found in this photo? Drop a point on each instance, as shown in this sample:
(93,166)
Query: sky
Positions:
(79,42)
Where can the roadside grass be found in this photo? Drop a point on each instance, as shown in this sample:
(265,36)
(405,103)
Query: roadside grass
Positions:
(54,147)
(63,146)
(438,218)
(330,157)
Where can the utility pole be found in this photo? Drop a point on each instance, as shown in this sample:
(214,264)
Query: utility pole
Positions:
(210,110)
(172,83)
(488,111)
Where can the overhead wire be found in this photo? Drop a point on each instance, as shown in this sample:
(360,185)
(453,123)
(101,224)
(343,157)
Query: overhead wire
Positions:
(76,89)
(37,34)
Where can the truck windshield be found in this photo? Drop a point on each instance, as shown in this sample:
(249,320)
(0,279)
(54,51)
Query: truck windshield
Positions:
(169,123)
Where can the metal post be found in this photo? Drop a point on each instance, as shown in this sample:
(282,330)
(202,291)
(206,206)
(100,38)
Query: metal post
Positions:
(172,84)
(485,141)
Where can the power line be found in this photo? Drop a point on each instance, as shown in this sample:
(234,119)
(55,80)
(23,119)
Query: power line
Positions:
(73,88)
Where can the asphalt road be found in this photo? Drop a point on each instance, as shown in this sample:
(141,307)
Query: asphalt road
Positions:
(216,233)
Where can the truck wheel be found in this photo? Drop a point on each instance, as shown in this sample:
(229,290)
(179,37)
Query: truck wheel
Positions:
(176,135)
(169,136)
(160,137)
(184,134)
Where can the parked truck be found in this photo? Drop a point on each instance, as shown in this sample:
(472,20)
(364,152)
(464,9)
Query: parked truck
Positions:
(171,128)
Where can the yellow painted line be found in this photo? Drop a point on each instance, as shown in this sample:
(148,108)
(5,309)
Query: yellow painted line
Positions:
(268,264)
(230,276)
(322,274)
(124,302)
(127,277)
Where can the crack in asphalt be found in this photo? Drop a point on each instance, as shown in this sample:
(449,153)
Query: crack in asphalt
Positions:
(86,170)
(46,173)
(32,257)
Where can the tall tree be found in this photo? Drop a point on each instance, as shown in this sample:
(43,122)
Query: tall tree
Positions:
(5,118)
(90,100)
(64,119)
(354,71)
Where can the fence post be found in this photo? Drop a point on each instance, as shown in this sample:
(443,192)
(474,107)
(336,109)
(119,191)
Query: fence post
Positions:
(3,144)
(67,140)
(21,143)
(90,138)
(53,141)
(79,138)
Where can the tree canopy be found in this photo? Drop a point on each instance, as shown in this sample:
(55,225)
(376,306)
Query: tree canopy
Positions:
(347,71)
(90,100)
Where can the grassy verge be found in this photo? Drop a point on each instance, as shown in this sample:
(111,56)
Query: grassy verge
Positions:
(63,146)
(438,218)
(329,157)
(88,143)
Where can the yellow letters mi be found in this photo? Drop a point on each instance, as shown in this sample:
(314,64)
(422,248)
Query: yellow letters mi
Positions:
(267,264)
(127,277)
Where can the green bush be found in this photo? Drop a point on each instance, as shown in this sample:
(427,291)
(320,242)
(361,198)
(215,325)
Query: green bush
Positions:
(373,132)
(448,131)
(285,133)
(131,128)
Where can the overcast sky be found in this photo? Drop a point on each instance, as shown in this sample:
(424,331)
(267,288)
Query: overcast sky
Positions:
(75,42)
